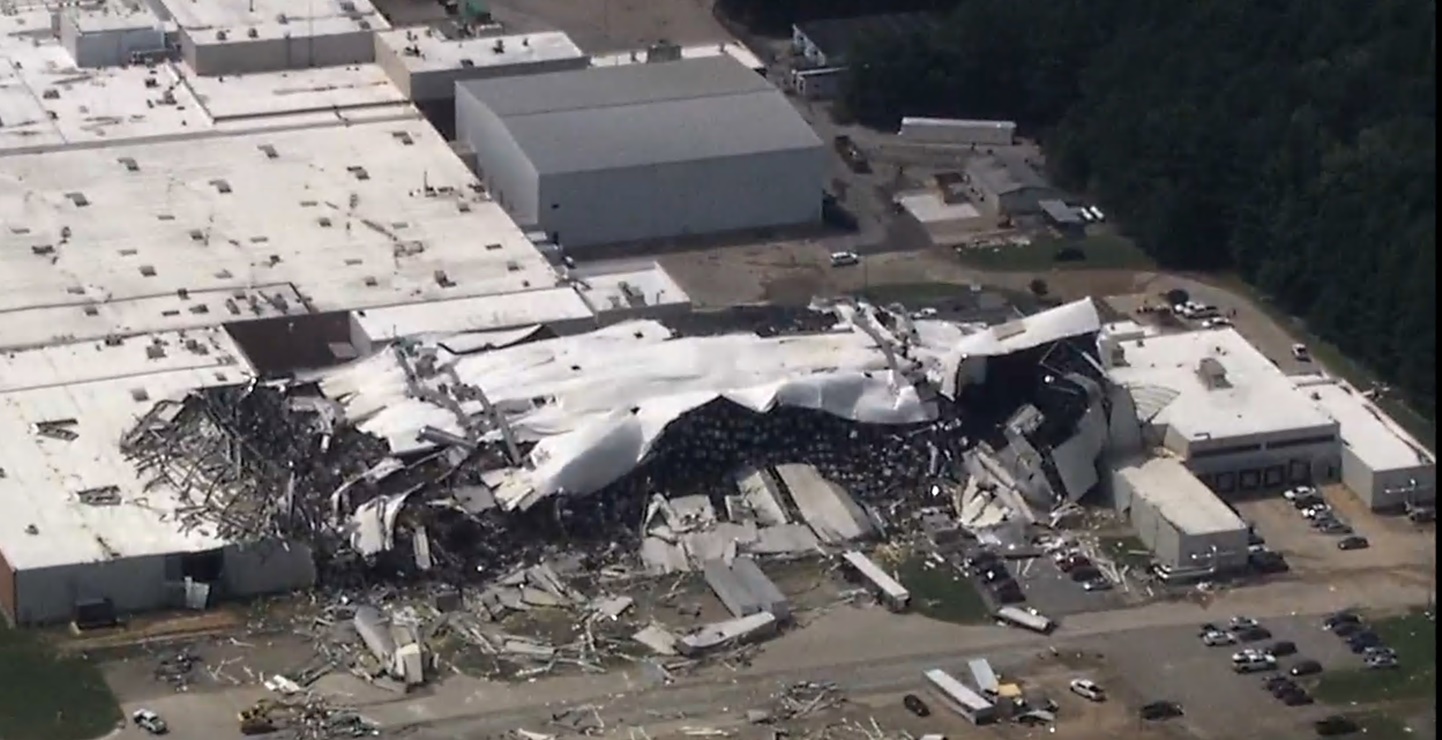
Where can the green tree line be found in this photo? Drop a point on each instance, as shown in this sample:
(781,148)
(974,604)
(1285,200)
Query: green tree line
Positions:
(1291,142)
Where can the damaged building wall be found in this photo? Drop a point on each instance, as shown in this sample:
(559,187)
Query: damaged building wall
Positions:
(48,595)
(267,568)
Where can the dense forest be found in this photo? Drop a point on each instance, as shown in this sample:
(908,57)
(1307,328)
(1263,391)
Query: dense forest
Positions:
(1289,141)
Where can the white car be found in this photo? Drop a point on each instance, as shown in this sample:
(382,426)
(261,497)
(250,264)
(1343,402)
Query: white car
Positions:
(1300,353)
(1292,494)
(1240,622)
(1260,663)
(1217,323)
(1248,654)
(845,259)
(1312,512)
(1087,689)
(925,313)
(1216,638)
(150,722)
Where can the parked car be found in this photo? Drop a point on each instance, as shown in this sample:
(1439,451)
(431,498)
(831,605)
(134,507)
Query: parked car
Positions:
(845,259)
(1334,527)
(150,722)
(1246,654)
(1160,710)
(1353,543)
(1097,585)
(1087,689)
(1256,665)
(1300,353)
(1305,668)
(1292,494)
(1347,629)
(1422,514)
(1361,642)
(1339,618)
(915,705)
(1306,502)
(1217,638)
(1380,650)
(1317,510)
(1240,622)
(1297,698)
(1380,661)
(1086,573)
(1334,725)
(1281,648)
(1253,634)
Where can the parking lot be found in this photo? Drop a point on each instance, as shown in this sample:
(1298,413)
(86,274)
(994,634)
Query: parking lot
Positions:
(1054,593)
(1173,664)
(1397,548)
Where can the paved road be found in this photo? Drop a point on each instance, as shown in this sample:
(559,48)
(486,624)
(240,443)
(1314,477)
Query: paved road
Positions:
(896,650)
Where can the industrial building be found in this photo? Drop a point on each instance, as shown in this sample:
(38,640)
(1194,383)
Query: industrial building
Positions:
(643,152)
(134,270)
(81,524)
(1381,462)
(232,37)
(1181,521)
(425,64)
(1216,402)
(957,132)
(1006,184)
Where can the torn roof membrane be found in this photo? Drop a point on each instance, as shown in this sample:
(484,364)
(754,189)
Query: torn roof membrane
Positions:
(595,404)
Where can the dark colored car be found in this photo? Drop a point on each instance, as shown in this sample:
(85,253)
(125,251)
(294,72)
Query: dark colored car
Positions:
(1270,562)
(1353,543)
(1086,573)
(1272,682)
(1283,686)
(1298,698)
(1339,618)
(1305,668)
(1253,634)
(1347,629)
(1335,725)
(915,705)
(1282,647)
(1160,710)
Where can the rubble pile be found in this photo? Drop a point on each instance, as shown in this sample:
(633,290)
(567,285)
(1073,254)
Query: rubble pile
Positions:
(430,571)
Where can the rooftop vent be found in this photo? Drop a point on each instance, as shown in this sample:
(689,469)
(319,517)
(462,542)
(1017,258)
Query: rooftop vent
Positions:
(465,62)
(78,199)
(221,35)
(129,164)
(252,33)
(221,186)
(269,150)
(1212,373)
(499,47)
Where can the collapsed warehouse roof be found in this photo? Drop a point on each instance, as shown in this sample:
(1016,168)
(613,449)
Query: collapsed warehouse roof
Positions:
(631,410)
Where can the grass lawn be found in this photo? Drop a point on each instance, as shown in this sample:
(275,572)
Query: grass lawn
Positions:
(47,697)
(1102,251)
(941,593)
(1414,637)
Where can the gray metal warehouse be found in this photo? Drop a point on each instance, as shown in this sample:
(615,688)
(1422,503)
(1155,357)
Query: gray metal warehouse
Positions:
(1183,523)
(643,152)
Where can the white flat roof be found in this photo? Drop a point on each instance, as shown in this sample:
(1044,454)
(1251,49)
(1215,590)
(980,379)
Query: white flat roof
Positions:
(928,207)
(299,17)
(1378,441)
(1259,398)
(1179,497)
(43,475)
(482,313)
(295,91)
(435,52)
(46,101)
(116,15)
(733,49)
(135,357)
(364,216)
(612,291)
